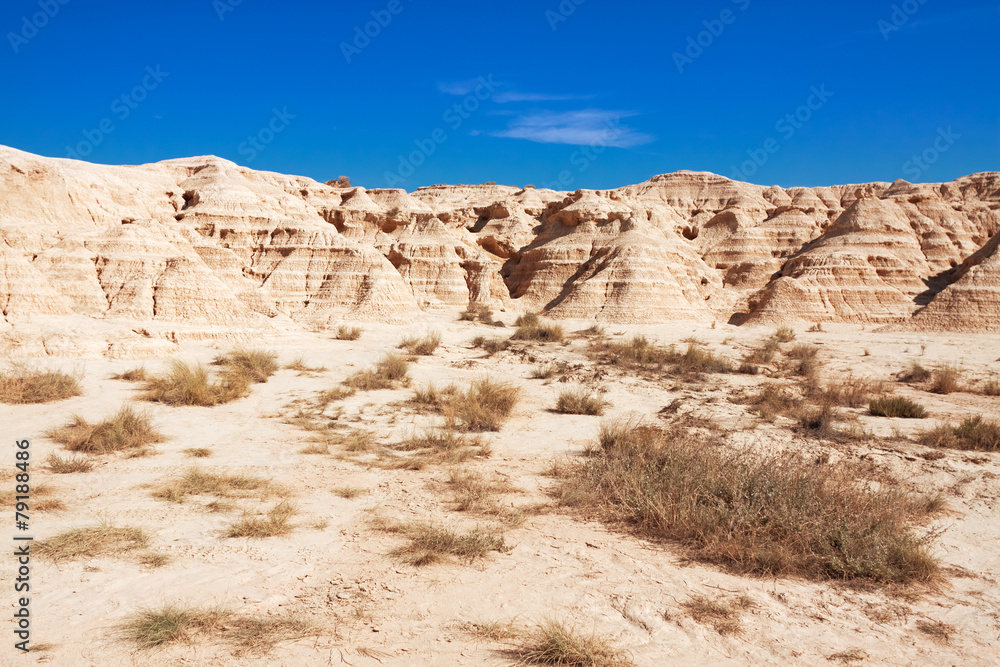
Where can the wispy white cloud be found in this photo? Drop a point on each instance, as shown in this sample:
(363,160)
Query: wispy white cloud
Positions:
(587,127)
(458,87)
(512,96)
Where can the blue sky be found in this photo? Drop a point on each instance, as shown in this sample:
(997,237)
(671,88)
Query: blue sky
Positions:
(571,94)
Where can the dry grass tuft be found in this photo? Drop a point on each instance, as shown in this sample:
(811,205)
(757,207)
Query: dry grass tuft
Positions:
(916,373)
(896,406)
(391,371)
(273,524)
(946,380)
(185,384)
(784,334)
(22,385)
(137,374)
(439,446)
(530,327)
(484,315)
(851,391)
(349,492)
(547,371)
(423,347)
(722,614)
(773,400)
(581,401)
(492,631)
(937,630)
(766,515)
(152,628)
(349,333)
(640,352)
(975,433)
(485,406)
(125,430)
(198,482)
(475,493)
(432,397)
(255,365)
(101,541)
(198,452)
(299,364)
(431,543)
(259,635)
(491,345)
(69,464)
(554,643)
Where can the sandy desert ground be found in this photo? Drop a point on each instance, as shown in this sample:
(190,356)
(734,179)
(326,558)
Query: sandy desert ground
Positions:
(360,604)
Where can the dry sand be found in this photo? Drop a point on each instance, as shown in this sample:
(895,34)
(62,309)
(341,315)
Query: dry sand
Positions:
(372,609)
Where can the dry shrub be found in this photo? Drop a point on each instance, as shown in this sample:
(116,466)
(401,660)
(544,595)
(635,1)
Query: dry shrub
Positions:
(198,452)
(433,398)
(185,384)
(915,373)
(21,385)
(125,430)
(852,392)
(485,406)
(475,493)
(896,406)
(764,354)
(554,643)
(198,482)
(766,515)
(974,433)
(723,615)
(581,401)
(530,327)
(439,446)
(256,365)
(784,334)
(491,345)
(990,388)
(483,314)
(105,540)
(639,351)
(819,419)
(154,628)
(273,524)
(423,347)
(773,400)
(299,364)
(69,464)
(137,374)
(349,333)
(937,630)
(349,492)
(431,543)
(946,380)
(547,371)
(391,371)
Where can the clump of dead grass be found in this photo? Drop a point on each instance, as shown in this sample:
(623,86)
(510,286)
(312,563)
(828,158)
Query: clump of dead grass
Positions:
(69,464)
(103,541)
(391,371)
(896,406)
(255,365)
(784,334)
(640,352)
(581,401)
(473,492)
(20,385)
(552,642)
(422,346)
(974,433)
(125,430)
(531,327)
(349,333)
(275,523)
(946,379)
(136,374)
(198,482)
(433,543)
(721,613)
(185,384)
(485,406)
(299,364)
(491,345)
(767,515)
(435,446)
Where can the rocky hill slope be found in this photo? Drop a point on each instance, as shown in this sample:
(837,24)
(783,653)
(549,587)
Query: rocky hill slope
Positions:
(211,245)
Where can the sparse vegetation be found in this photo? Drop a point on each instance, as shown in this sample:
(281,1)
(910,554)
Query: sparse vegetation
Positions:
(491,345)
(784,334)
(255,365)
(484,315)
(773,400)
(581,401)
(974,433)
(990,388)
(485,406)
(22,385)
(432,543)
(936,630)
(723,615)
(185,384)
(273,524)
(354,440)
(103,541)
(152,628)
(423,347)
(896,406)
(349,333)
(198,482)
(946,380)
(391,371)
(69,464)
(137,374)
(640,352)
(554,643)
(531,327)
(440,446)
(547,371)
(125,430)
(349,492)
(298,364)
(198,452)
(475,493)
(916,373)
(776,515)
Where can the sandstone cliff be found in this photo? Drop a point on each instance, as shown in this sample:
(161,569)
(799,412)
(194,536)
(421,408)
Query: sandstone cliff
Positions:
(206,245)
